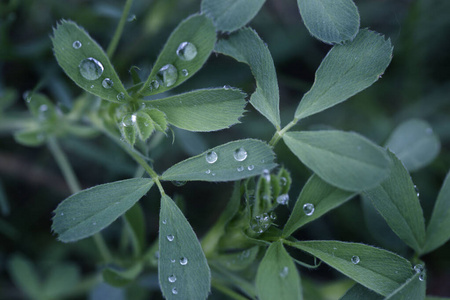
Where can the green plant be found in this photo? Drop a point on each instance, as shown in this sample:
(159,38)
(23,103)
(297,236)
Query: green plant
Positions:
(244,254)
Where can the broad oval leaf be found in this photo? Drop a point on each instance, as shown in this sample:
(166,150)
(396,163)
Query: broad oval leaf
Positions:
(344,159)
(230,15)
(182,268)
(377,269)
(322,196)
(277,276)
(438,230)
(346,70)
(86,63)
(414,143)
(331,21)
(203,110)
(89,211)
(185,52)
(220,164)
(247,47)
(412,289)
(23,273)
(396,200)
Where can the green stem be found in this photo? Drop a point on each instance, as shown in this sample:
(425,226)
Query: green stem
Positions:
(102,248)
(123,19)
(279,134)
(226,290)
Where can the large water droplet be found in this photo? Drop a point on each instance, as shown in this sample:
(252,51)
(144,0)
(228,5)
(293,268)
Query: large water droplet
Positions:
(418,268)
(283,199)
(107,83)
(76,45)
(90,68)
(186,51)
(174,291)
(308,209)
(172,278)
(170,237)
(120,96)
(355,259)
(284,272)
(240,169)
(167,75)
(183,261)
(240,154)
(211,157)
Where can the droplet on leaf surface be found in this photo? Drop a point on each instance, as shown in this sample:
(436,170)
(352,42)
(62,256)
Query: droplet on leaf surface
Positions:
(76,45)
(211,157)
(187,51)
(90,68)
(355,259)
(240,154)
(167,75)
(107,83)
(308,209)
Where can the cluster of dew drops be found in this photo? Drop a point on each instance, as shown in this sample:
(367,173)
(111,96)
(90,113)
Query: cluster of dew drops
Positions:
(239,155)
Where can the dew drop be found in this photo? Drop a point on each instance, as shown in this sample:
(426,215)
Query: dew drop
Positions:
(172,278)
(184,72)
(226,87)
(308,209)
(92,86)
(422,277)
(208,171)
(273,216)
(417,190)
(240,169)
(213,174)
(283,181)
(418,268)
(90,68)
(284,272)
(62,214)
(355,259)
(133,118)
(154,84)
(251,167)
(170,237)
(43,112)
(211,157)
(167,75)
(240,154)
(76,45)
(172,260)
(283,199)
(178,183)
(266,175)
(186,51)
(94,223)
(174,291)
(164,222)
(107,83)
(183,261)
(120,96)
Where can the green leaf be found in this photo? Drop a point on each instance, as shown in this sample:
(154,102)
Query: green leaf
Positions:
(203,110)
(346,70)
(41,107)
(331,21)
(4,202)
(438,230)
(322,196)
(414,143)
(87,65)
(30,137)
(377,269)
(277,276)
(412,289)
(396,200)
(230,15)
(220,164)
(183,270)
(247,47)
(24,276)
(121,277)
(359,292)
(144,125)
(89,211)
(135,221)
(198,35)
(346,160)
(238,261)
(62,279)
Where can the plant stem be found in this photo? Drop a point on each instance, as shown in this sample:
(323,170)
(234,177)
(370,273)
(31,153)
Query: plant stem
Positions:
(227,291)
(102,248)
(279,134)
(123,19)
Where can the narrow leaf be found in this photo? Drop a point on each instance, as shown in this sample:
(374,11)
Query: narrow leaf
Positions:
(230,15)
(331,21)
(346,70)
(396,200)
(182,269)
(24,276)
(30,137)
(121,277)
(247,47)
(85,62)
(414,143)
(135,221)
(317,198)
(203,110)
(377,269)
(438,230)
(359,292)
(412,289)
(232,161)
(89,211)
(185,52)
(346,160)
(238,261)
(277,276)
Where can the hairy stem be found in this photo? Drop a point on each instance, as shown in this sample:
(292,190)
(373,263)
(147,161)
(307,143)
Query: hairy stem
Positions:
(123,19)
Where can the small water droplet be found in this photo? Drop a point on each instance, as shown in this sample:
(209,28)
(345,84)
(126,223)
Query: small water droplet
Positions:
(62,214)
(240,154)
(76,45)
(183,261)
(283,199)
(418,268)
(179,183)
(308,209)
(213,174)
(170,237)
(120,96)
(92,86)
(167,75)
(133,118)
(211,157)
(94,223)
(107,83)
(154,84)
(417,190)
(172,278)
(184,72)
(283,181)
(226,87)
(266,175)
(90,68)
(172,260)
(422,276)
(174,291)
(187,51)
(164,222)
(251,167)
(240,169)
(355,259)
(208,171)
(131,18)
(273,216)
(284,272)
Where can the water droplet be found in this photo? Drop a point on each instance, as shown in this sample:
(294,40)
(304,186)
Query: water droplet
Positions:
(43,112)
(273,216)
(133,118)
(213,174)
(167,75)
(184,72)
(94,223)
(62,214)
(90,68)
(179,183)
(92,86)
(284,272)
(120,96)
(261,223)
(211,157)
(417,190)
(170,237)
(240,154)
(157,254)
(418,268)
(226,87)
(26,96)
(422,276)
(208,171)
(131,18)
(174,291)
(76,45)
(283,181)
(186,51)
(164,222)
(107,83)
(266,175)
(240,169)
(355,259)
(308,209)
(172,260)
(251,167)
(172,278)
(154,84)
(183,261)
(283,199)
